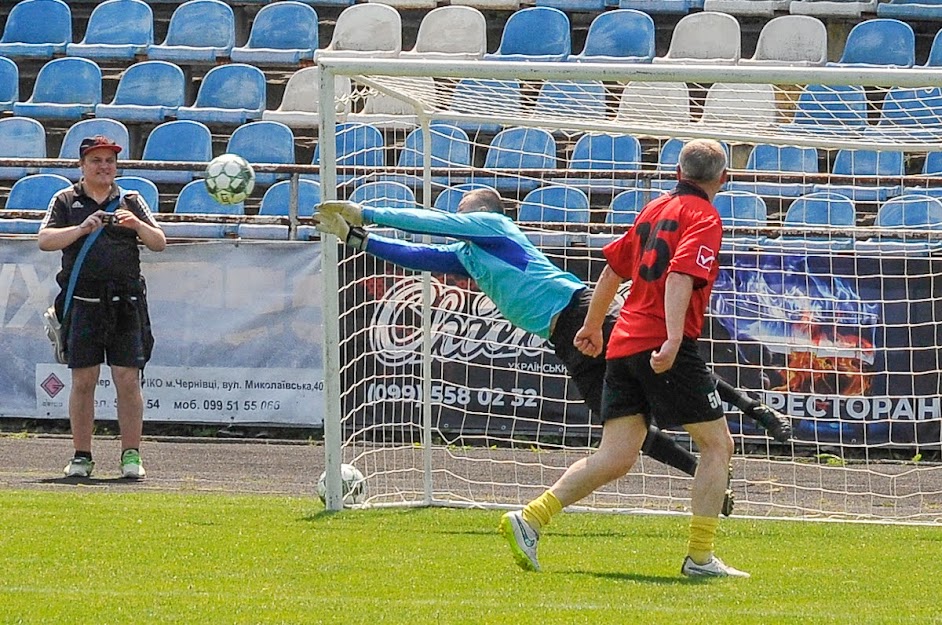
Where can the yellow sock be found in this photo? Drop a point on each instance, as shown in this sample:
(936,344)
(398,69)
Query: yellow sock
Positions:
(702,533)
(538,512)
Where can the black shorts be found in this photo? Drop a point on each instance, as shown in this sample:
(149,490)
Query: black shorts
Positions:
(685,394)
(587,372)
(99,330)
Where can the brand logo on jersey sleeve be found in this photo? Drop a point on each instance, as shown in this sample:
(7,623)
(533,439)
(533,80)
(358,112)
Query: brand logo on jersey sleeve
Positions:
(705,257)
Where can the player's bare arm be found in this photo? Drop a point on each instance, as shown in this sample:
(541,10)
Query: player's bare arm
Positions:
(677,290)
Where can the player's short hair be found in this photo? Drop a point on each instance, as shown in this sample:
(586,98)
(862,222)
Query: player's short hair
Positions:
(702,160)
(481,201)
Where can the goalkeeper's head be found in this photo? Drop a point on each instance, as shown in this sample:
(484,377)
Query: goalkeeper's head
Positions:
(481,201)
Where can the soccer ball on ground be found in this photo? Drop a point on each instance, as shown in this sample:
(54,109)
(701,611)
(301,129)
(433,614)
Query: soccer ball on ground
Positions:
(353,485)
(229,178)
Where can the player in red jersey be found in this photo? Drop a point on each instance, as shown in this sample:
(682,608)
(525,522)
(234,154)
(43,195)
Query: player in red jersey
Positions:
(654,370)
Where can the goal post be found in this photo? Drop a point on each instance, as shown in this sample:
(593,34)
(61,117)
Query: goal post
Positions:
(826,307)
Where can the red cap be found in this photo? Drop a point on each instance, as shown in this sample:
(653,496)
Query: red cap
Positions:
(98,141)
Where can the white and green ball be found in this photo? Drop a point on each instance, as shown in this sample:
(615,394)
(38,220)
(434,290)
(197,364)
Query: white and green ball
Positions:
(353,485)
(229,178)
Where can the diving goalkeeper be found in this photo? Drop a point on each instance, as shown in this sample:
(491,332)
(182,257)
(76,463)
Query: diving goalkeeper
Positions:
(527,288)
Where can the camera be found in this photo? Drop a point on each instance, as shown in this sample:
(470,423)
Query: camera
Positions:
(109,219)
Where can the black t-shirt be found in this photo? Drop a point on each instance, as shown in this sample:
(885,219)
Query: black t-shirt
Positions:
(114,258)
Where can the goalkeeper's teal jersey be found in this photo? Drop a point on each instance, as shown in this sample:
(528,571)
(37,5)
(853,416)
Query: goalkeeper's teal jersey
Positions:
(525,286)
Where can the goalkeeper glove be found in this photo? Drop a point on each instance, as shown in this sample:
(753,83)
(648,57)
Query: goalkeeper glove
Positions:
(333,223)
(350,211)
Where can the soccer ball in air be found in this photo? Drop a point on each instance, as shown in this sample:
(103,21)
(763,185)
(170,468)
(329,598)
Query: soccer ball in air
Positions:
(229,179)
(352,481)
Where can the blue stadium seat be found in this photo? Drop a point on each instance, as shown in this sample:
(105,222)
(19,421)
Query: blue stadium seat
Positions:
(620,36)
(114,130)
(656,7)
(356,145)
(31,193)
(200,31)
(773,159)
(9,84)
(229,94)
(935,52)
(905,212)
(178,140)
(283,33)
(555,204)
(450,197)
(880,42)
(817,210)
(471,94)
(600,153)
(195,199)
(387,194)
(534,34)
(65,89)
(741,209)
(574,5)
(21,137)
(887,164)
(911,10)
(583,100)
(910,114)
(37,29)
(830,109)
(145,188)
(117,30)
(932,168)
(263,142)
(625,206)
(150,91)
(276,202)
(450,148)
(513,150)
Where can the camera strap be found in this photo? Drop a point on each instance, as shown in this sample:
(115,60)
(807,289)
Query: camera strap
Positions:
(89,240)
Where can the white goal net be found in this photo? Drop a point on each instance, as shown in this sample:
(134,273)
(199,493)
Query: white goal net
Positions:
(827,307)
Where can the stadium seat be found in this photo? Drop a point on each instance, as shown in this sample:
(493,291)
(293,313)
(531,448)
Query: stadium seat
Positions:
(799,40)
(819,210)
(194,199)
(513,150)
(145,188)
(450,32)
(705,38)
(594,155)
(625,206)
(620,36)
(489,5)
(774,159)
(911,10)
(229,94)
(9,84)
(592,6)
(751,8)
(283,33)
(149,91)
(450,148)
(263,142)
(830,109)
(905,212)
(534,34)
(450,197)
(833,8)
(477,96)
(178,140)
(69,150)
(571,99)
(879,42)
(867,163)
(37,29)
(200,31)
(276,202)
(388,113)
(932,167)
(910,114)
(384,193)
(654,102)
(555,204)
(741,209)
(65,89)
(21,137)
(116,30)
(300,102)
(935,52)
(657,7)
(739,104)
(365,30)
(356,145)
(33,192)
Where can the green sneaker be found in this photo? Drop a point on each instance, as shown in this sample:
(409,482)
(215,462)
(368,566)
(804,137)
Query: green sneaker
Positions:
(522,539)
(79,467)
(131,467)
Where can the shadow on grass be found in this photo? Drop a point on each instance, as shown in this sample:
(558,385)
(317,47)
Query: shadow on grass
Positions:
(91,481)
(661,580)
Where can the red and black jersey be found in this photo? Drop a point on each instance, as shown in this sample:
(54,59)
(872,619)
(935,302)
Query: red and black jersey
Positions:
(677,232)
(114,258)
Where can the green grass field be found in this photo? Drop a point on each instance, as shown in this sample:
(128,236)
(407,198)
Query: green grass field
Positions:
(144,558)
